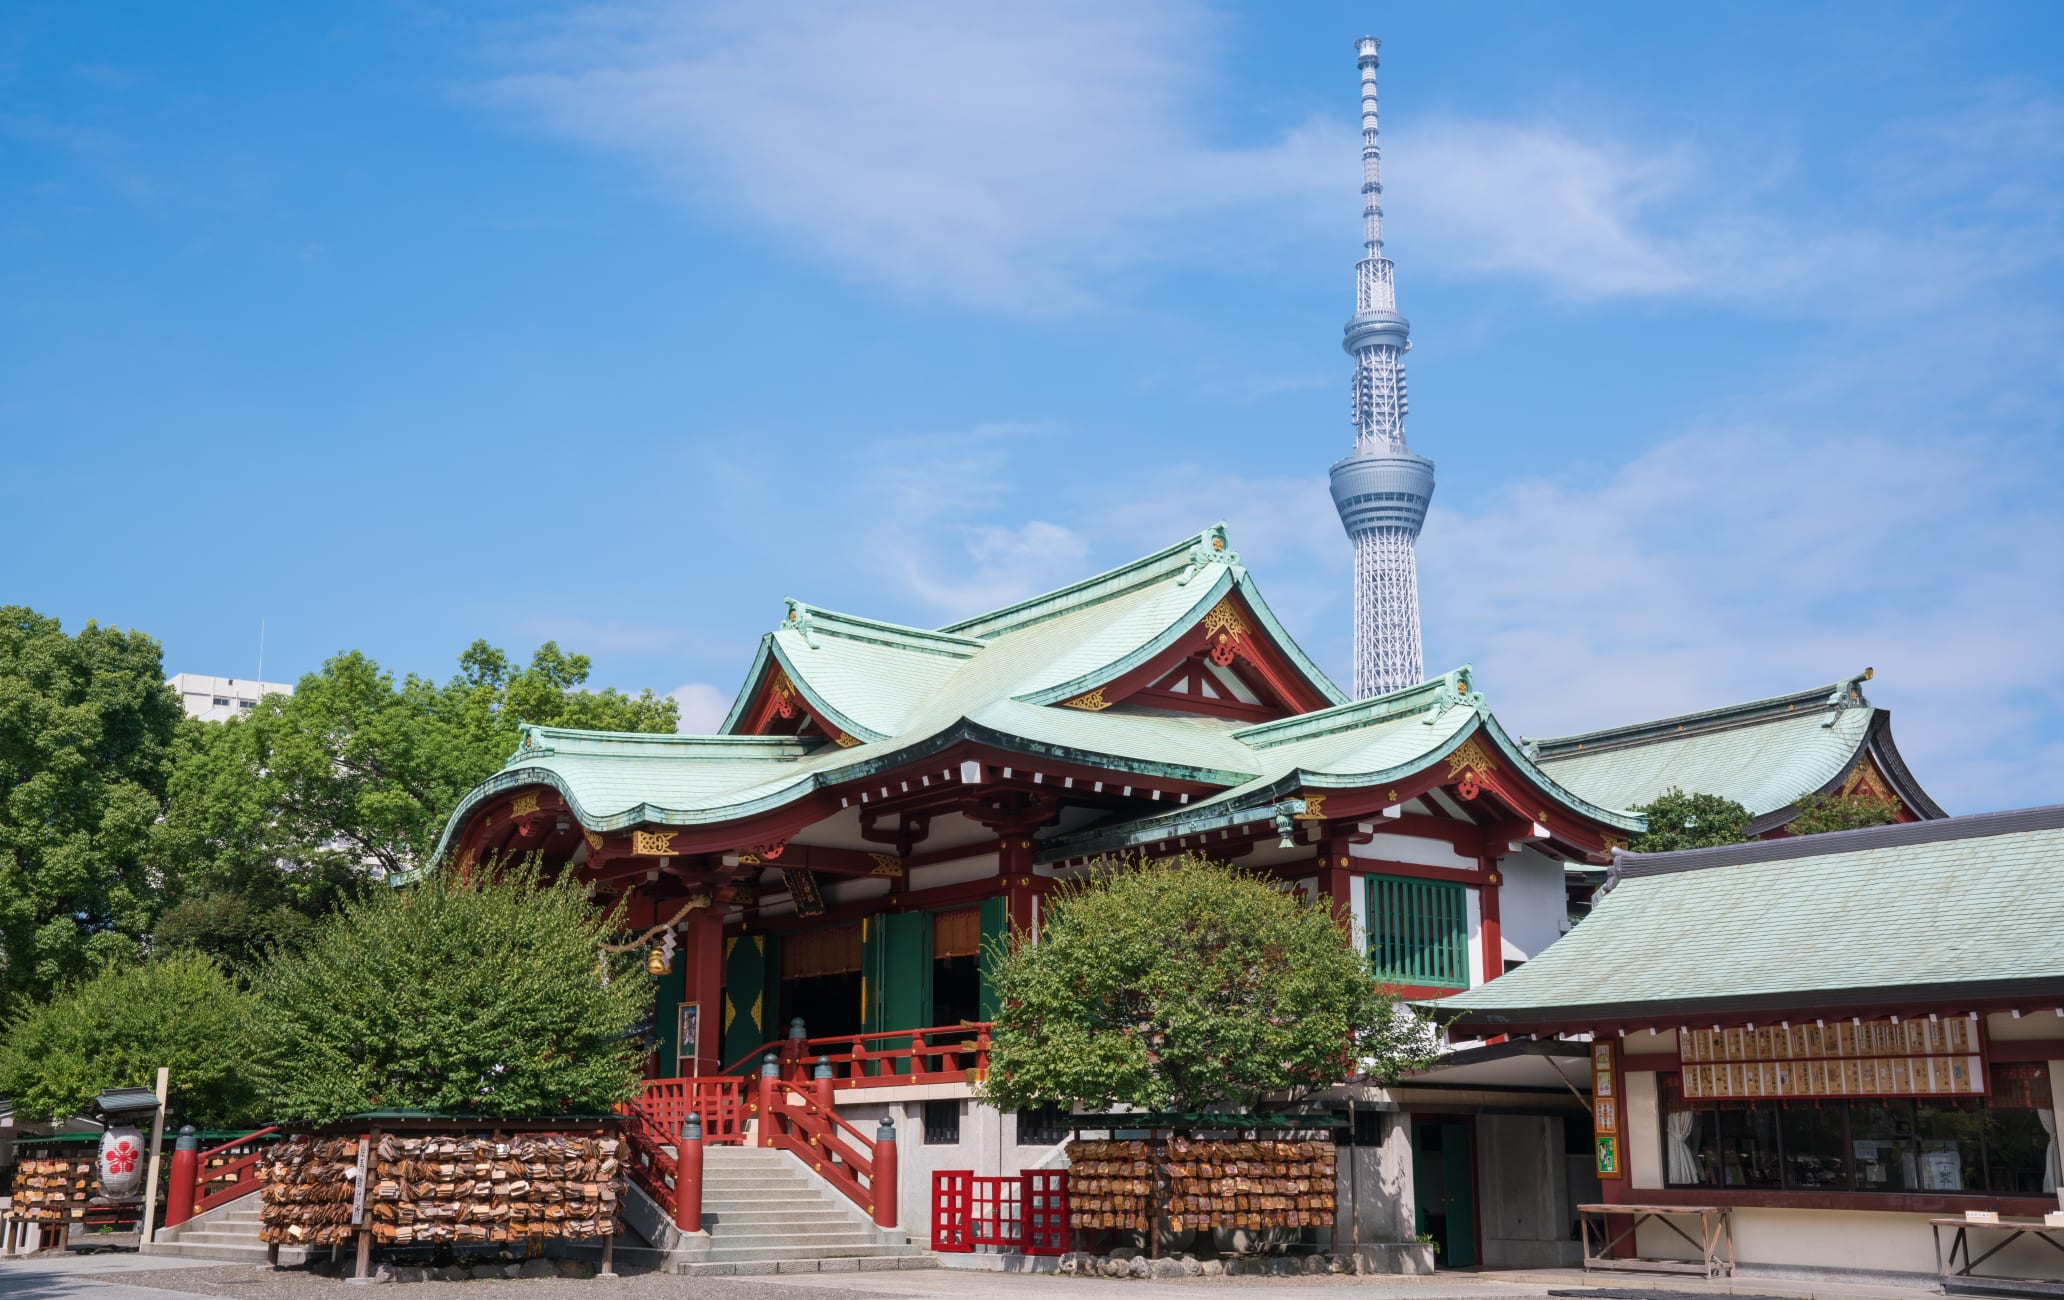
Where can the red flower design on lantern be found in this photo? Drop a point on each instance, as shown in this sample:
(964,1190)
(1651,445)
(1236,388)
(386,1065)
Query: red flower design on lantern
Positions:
(121,1157)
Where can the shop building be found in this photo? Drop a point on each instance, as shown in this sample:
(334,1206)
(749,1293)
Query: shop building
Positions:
(1835,1037)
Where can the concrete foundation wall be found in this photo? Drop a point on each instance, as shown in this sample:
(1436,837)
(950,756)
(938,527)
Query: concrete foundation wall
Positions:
(1522,1191)
(1374,1189)
(988,1146)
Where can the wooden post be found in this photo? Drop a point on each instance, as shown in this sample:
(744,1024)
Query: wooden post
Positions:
(821,1083)
(608,1269)
(883,1185)
(186,1170)
(362,1273)
(688,1175)
(157,1138)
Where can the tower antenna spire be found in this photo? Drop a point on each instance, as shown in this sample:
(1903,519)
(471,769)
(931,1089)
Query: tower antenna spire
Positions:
(1381,489)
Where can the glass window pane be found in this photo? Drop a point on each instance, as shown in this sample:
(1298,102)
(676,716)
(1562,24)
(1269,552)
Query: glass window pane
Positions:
(1816,1147)
(1881,1145)
(1691,1138)
(1748,1146)
(2021,1151)
(1950,1135)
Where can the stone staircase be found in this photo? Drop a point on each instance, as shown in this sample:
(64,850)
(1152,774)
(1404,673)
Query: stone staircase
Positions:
(227,1232)
(765,1212)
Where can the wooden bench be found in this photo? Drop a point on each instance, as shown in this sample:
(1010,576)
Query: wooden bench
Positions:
(1715,1228)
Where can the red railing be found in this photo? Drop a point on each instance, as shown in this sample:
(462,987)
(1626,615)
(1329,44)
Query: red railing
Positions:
(943,1054)
(1025,1213)
(654,1130)
(239,1175)
(794,1121)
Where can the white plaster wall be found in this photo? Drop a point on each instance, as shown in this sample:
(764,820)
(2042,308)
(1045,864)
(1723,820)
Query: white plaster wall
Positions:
(1475,915)
(1532,904)
(1417,849)
(1641,1132)
(988,1146)
(2002,1026)
(1373,1188)
(1864,1241)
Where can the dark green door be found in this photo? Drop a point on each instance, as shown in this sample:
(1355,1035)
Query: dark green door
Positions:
(995,926)
(1444,1190)
(898,954)
(751,986)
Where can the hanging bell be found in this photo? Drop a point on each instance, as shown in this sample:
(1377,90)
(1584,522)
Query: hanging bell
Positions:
(656,962)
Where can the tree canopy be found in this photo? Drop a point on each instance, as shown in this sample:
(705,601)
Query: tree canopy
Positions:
(1820,813)
(1677,820)
(486,995)
(277,815)
(116,1029)
(87,736)
(1183,984)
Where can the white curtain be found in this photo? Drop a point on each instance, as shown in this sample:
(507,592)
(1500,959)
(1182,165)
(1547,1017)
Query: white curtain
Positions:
(1683,1161)
(2049,1123)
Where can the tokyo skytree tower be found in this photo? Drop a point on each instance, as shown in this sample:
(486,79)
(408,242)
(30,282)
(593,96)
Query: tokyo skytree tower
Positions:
(1381,489)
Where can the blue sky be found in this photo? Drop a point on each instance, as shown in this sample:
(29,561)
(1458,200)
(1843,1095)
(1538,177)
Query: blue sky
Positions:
(1737,333)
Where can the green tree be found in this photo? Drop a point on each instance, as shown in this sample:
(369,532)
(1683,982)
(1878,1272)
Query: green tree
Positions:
(1182,984)
(1820,813)
(1677,820)
(87,732)
(116,1029)
(276,816)
(487,996)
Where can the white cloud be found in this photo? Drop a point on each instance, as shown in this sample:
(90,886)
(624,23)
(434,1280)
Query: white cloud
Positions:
(998,155)
(703,707)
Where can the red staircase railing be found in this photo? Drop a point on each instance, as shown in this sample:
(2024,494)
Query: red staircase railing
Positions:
(1025,1213)
(654,1130)
(202,1180)
(793,1119)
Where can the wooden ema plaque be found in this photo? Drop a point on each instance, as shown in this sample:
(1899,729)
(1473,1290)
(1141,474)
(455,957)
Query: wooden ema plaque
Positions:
(1874,1058)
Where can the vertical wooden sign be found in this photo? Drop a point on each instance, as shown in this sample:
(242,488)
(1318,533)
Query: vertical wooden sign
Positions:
(1605,1110)
(358,1182)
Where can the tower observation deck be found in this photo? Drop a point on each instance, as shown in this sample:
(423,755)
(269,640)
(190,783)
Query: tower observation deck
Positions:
(1381,489)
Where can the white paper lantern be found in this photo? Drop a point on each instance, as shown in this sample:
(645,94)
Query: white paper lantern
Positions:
(121,1161)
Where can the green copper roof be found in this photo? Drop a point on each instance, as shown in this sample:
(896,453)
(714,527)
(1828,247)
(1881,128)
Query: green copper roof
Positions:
(1763,754)
(1927,911)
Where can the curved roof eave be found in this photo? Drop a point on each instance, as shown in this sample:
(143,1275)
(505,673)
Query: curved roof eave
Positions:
(770,650)
(806,783)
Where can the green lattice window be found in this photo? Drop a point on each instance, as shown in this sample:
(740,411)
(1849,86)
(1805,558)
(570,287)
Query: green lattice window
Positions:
(1419,931)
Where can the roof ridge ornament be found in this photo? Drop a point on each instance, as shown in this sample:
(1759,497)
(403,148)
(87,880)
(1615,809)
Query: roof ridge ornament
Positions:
(1847,694)
(800,620)
(1455,692)
(1212,547)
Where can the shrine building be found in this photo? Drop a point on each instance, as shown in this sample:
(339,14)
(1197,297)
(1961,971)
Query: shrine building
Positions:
(884,800)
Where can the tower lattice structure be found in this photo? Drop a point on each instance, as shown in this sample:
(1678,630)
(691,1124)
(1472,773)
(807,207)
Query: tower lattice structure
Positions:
(1381,489)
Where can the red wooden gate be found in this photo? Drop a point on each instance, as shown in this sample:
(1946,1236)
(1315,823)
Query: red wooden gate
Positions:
(1024,1213)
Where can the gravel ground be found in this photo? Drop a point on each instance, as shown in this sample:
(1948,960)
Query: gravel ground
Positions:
(257,1282)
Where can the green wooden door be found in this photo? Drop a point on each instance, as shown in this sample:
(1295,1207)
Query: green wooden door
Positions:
(752,987)
(1444,1190)
(995,926)
(667,994)
(897,952)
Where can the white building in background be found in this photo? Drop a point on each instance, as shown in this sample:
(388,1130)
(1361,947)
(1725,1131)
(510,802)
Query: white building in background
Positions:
(218,699)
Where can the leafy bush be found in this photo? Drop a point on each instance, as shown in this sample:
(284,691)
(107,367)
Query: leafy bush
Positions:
(1181,984)
(1821,813)
(116,1029)
(484,996)
(1677,820)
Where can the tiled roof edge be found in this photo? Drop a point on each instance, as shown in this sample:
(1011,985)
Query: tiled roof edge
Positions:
(1629,866)
(1142,572)
(1452,687)
(1548,749)
(812,621)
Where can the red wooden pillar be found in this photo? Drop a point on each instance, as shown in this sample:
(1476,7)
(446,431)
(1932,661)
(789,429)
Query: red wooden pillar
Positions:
(1493,933)
(1014,864)
(883,1184)
(688,1176)
(186,1162)
(1334,880)
(702,959)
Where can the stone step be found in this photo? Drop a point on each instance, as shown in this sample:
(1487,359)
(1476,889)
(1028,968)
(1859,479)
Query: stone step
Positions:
(217,1237)
(774,1254)
(830,1264)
